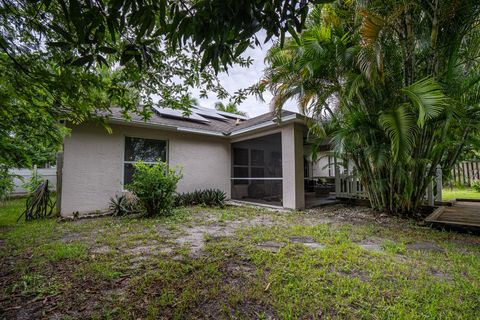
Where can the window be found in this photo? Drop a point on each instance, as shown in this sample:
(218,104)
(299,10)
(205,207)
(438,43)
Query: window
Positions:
(147,150)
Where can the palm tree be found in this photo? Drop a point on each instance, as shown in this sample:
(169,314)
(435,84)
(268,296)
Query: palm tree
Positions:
(399,92)
(229,107)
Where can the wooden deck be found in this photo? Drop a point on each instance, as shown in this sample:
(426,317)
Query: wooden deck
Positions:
(462,213)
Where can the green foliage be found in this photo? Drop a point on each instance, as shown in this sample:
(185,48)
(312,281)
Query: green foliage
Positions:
(400,127)
(124,204)
(87,35)
(395,85)
(36,285)
(459,193)
(57,251)
(208,197)
(476,185)
(6,184)
(34,181)
(229,107)
(72,60)
(393,248)
(352,280)
(155,185)
(428,96)
(100,270)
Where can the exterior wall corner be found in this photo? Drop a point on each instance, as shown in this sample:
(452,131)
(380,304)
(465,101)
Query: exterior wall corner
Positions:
(292,167)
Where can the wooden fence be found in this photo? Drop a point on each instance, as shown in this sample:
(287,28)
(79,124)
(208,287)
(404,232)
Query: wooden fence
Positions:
(464,172)
(347,185)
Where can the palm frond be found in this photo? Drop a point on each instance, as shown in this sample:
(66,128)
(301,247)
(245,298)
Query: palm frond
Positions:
(371,27)
(399,124)
(428,97)
(367,60)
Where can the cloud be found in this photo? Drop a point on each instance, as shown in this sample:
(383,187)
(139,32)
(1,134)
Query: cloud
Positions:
(240,78)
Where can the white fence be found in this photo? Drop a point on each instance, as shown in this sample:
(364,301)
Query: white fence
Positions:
(22,176)
(347,185)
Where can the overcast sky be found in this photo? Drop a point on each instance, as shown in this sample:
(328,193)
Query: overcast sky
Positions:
(239,78)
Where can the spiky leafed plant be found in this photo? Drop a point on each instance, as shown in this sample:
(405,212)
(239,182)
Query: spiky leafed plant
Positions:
(397,84)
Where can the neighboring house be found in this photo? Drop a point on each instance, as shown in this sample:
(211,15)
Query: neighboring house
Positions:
(260,160)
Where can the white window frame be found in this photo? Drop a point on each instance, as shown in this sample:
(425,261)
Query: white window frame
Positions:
(167,147)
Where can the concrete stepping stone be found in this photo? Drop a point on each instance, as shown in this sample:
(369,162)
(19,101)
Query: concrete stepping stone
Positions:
(272,246)
(308,242)
(301,239)
(425,247)
(371,247)
(101,250)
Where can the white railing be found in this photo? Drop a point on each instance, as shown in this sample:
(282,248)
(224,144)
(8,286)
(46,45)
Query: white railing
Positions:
(347,183)
(348,186)
(434,189)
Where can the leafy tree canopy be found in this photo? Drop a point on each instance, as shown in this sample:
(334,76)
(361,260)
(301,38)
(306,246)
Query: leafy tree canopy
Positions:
(395,83)
(73,59)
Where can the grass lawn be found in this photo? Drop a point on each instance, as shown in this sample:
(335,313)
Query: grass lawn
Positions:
(454,193)
(237,262)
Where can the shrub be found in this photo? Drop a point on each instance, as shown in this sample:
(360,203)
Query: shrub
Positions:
(476,185)
(155,186)
(208,197)
(6,184)
(34,181)
(124,204)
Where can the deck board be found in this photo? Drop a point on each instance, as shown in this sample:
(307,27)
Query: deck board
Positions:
(462,213)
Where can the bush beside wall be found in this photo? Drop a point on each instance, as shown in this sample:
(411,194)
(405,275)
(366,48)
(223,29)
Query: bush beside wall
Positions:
(155,186)
(208,197)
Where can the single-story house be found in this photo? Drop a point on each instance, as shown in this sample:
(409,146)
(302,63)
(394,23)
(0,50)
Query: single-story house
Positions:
(261,160)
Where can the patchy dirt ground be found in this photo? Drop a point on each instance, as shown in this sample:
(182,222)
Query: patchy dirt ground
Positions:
(236,262)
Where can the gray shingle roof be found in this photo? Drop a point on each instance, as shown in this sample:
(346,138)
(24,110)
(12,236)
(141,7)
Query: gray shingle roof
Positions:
(266,117)
(225,127)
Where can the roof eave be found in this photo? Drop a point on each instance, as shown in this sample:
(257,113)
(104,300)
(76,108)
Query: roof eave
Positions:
(296,117)
(143,124)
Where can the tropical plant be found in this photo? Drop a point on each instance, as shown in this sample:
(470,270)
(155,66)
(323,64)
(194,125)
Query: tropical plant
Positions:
(155,185)
(395,84)
(229,107)
(208,197)
(476,185)
(34,181)
(6,184)
(124,204)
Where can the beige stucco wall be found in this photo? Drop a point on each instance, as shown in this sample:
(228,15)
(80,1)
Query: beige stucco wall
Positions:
(292,166)
(90,181)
